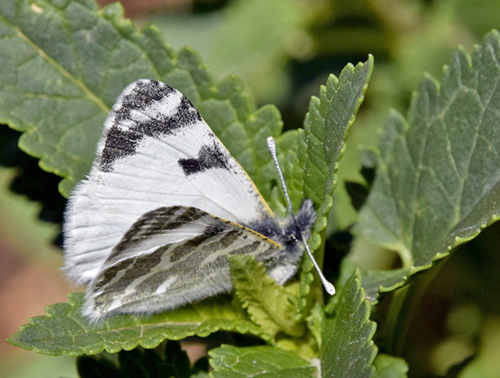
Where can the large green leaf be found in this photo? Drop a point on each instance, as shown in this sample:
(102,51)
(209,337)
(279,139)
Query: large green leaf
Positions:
(438,174)
(347,346)
(58,85)
(261,361)
(65,331)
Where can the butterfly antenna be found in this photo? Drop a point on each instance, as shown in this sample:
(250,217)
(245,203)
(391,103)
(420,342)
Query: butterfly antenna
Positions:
(271,146)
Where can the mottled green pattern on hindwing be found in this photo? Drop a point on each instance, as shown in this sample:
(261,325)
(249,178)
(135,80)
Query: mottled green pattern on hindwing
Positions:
(172,256)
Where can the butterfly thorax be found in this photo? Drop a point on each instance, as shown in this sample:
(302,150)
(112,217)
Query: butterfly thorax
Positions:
(289,233)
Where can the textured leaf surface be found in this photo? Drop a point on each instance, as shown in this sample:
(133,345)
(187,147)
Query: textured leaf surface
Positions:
(58,86)
(348,349)
(261,361)
(438,174)
(327,125)
(326,128)
(64,331)
(269,305)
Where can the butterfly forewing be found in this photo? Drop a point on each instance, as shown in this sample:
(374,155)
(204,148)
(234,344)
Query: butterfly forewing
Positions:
(155,151)
(172,256)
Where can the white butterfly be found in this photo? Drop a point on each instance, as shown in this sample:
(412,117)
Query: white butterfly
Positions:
(163,207)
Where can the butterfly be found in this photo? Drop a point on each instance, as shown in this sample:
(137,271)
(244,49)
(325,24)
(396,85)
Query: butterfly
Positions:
(164,205)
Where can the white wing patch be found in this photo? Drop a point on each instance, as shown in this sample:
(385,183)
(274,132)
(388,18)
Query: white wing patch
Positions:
(155,151)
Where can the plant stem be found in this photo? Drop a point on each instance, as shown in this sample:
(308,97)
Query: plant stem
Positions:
(403,306)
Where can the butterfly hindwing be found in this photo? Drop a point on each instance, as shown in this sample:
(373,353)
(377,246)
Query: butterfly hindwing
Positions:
(172,256)
(156,151)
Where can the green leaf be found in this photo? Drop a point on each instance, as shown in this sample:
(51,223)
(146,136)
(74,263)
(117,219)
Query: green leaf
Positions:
(326,128)
(58,86)
(65,331)
(309,158)
(269,305)
(390,367)
(347,346)
(327,125)
(315,322)
(260,361)
(438,174)
(386,280)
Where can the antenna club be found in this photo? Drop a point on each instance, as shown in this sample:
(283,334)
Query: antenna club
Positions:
(330,289)
(271,145)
